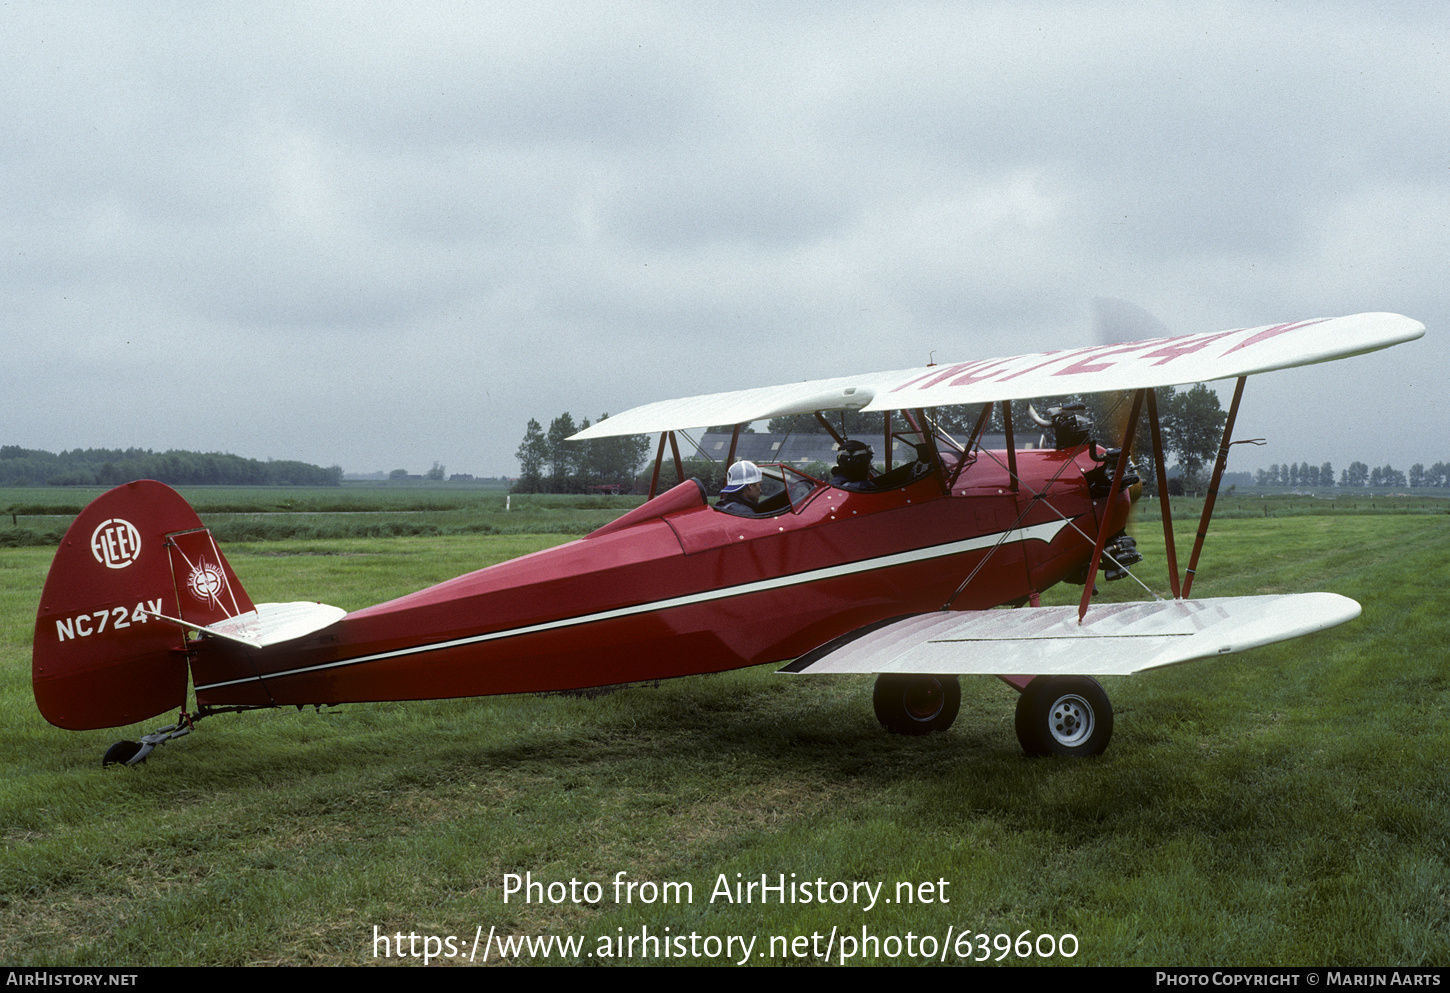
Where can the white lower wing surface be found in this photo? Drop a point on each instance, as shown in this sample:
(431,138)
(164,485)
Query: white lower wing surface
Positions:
(1113,639)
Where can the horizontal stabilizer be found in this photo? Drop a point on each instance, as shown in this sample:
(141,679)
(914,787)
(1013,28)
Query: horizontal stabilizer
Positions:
(269,624)
(1112,640)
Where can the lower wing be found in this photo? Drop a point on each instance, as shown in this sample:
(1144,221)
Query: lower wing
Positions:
(1113,640)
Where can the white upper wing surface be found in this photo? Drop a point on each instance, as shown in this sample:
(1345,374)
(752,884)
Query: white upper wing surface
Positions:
(1193,358)
(743,406)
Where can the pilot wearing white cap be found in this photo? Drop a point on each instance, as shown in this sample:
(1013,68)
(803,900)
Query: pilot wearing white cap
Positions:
(741,490)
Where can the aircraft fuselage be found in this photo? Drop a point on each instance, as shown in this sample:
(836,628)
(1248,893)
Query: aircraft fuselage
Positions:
(676,588)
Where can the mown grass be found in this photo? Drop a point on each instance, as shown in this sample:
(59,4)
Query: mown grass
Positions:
(1318,503)
(1287,806)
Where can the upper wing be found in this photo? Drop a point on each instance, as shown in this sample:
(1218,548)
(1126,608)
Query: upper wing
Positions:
(1112,640)
(743,406)
(1190,358)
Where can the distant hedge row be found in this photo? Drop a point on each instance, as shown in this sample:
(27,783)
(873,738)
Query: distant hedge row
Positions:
(113,466)
(284,530)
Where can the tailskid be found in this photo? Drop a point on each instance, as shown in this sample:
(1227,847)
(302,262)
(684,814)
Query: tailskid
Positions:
(135,752)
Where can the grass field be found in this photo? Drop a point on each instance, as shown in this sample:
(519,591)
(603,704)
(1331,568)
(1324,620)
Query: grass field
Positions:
(1287,806)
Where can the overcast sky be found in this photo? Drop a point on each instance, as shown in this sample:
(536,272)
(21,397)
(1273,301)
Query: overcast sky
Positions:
(379,235)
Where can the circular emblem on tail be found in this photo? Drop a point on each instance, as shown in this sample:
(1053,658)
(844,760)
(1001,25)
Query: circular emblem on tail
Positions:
(206,582)
(116,543)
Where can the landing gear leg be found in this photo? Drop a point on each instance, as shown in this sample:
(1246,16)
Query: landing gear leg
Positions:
(1064,715)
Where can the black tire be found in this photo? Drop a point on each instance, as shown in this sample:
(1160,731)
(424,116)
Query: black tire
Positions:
(916,704)
(120,753)
(1064,715)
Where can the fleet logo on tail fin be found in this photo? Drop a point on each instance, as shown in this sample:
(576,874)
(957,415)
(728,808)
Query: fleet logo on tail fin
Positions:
(116,543)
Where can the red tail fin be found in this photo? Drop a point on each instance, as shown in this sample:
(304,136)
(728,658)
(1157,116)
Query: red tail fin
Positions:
(100,660)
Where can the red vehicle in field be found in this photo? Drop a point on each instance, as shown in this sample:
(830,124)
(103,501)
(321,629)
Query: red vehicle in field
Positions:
(894,576)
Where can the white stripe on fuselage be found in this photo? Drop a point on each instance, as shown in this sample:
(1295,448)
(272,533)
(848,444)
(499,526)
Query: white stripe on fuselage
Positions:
(1037,532)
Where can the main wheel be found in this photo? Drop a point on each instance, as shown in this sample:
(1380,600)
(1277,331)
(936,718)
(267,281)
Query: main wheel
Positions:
(916,704)
(1064,715)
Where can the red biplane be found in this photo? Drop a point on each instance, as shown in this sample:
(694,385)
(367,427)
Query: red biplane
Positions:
(892,576)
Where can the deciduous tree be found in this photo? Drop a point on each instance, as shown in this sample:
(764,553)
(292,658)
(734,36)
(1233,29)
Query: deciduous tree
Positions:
(1193,427)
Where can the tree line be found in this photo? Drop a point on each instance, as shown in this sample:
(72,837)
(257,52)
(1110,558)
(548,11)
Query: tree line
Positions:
(549,463)
(1357,475)
(113,466)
